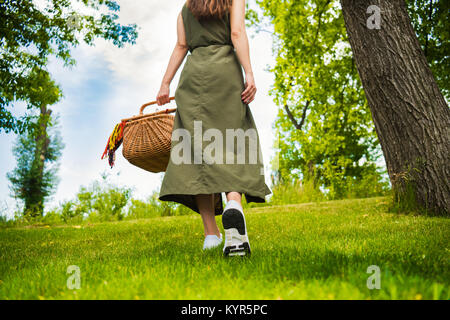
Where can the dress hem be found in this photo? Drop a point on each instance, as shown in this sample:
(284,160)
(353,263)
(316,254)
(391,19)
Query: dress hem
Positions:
(188,199)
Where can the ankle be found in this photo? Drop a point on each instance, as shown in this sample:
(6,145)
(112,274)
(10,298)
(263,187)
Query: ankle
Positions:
(211,233)
(234,204)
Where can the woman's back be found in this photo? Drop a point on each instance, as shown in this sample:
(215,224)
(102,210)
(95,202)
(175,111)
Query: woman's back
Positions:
(206,32)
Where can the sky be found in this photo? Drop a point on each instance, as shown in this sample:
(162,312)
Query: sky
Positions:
(109,84)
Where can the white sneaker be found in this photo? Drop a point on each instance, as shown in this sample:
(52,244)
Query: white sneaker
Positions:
(212,241)
(236,239)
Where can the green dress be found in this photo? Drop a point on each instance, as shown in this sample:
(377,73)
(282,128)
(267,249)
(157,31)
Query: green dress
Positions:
(208,96)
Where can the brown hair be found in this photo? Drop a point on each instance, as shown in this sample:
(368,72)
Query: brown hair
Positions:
(208,8)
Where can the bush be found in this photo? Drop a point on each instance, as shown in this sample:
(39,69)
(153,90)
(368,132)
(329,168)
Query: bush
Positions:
(4,222)
(105,203)
(52,217)
(101,201)
(140,209)
(371,185)
(295,192)
(156,208)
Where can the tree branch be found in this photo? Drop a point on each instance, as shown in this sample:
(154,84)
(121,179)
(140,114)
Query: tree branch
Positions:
(297,125)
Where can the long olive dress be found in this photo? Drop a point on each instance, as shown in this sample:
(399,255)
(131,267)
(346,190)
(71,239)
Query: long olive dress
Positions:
(209,92)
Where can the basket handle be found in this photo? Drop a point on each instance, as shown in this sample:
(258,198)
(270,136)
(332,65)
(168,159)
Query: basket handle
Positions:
(141,111)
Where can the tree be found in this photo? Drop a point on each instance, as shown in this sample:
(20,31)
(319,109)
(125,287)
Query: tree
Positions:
(410,114)
(31,33)
(324,123)
(37,153)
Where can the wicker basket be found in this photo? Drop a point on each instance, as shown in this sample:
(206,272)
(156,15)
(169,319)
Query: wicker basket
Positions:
(147,139)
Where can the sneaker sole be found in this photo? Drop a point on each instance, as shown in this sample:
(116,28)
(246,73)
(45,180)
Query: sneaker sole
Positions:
(236,239)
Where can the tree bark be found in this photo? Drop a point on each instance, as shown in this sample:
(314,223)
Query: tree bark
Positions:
(34,203)
(411,117)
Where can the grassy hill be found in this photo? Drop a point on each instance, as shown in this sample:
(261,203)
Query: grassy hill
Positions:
(304,251)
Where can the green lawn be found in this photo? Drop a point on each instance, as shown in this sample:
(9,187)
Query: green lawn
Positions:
(305,251)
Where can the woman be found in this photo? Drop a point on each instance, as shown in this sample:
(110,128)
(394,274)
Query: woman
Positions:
(213,99)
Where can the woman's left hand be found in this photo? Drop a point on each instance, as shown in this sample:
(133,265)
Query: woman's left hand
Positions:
(250,89)
(163,95)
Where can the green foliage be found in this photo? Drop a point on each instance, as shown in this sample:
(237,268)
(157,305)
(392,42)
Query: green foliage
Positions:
(404,200)
(430,19)
(4,221)
(404,188)
(31,33)
(155,208)
(141,210)
(104,201)
(371,184)
(100,201)
(35,177)
(70,212)
(296,192)
(324,126)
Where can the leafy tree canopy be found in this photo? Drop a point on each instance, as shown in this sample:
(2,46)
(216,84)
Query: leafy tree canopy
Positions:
(33,31)
(430,19)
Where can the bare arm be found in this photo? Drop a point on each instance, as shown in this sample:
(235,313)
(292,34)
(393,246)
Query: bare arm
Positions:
(177,57)
(240,42)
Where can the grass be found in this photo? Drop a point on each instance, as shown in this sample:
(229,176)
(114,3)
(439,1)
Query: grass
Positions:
(304,251)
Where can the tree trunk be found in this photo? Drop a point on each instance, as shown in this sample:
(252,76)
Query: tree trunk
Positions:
(411,117)
(34,203)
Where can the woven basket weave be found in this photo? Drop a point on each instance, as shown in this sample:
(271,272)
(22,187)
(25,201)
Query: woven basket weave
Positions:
(147,139)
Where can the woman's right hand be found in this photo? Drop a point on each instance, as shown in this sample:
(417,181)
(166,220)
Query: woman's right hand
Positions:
(163,95)
(248,95)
